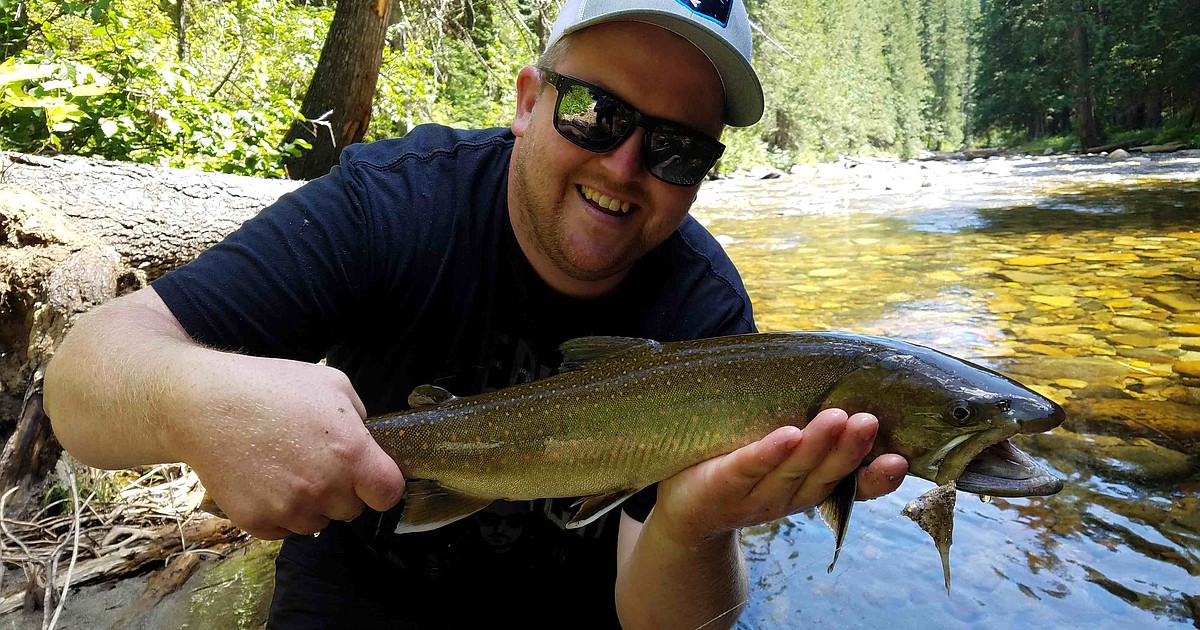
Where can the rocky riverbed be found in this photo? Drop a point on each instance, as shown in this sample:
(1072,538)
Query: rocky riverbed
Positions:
(1079,276)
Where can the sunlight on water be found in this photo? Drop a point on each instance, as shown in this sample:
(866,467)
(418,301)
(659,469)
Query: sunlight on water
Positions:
(1079,277)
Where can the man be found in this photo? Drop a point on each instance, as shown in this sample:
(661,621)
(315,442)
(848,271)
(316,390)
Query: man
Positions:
(463,259)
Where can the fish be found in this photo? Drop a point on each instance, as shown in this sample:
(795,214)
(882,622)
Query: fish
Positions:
(624,413)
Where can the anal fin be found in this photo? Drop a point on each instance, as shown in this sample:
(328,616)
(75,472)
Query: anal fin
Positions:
(835,511)
(597,505)
(428,505)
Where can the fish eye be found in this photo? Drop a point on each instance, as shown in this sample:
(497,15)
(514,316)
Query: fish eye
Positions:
(1004,405)
(961,413)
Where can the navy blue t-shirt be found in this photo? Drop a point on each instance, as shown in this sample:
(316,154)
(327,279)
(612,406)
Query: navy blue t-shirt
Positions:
(400,268)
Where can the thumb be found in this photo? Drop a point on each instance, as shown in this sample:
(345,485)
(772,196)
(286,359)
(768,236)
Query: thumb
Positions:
(378,480)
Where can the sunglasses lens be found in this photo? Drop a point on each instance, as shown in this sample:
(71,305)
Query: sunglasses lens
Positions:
(678,156)
(596,122)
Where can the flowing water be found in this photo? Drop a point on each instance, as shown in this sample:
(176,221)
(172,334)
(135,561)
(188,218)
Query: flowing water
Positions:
(1079,277)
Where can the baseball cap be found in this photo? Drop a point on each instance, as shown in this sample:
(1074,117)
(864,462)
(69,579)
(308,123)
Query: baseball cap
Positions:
(719,28)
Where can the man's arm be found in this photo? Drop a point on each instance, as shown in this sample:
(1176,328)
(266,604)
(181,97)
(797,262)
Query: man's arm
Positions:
(683,568)
(279,444)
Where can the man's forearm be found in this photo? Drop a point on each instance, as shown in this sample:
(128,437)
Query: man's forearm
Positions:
(106,386)
(662,584)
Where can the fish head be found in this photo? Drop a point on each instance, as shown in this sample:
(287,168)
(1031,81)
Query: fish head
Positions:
(951,419)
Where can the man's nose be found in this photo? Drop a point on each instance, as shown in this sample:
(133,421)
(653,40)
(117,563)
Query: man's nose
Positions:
(625,160)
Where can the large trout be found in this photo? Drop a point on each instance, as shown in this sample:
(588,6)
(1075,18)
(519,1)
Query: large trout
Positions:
(624,413)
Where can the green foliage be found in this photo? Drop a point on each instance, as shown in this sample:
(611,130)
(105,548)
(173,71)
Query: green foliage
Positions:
(121,79)
(1141,63)
(102,82)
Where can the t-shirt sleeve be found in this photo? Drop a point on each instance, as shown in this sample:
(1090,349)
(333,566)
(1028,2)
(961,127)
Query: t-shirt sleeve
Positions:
(639,505)
(283,283)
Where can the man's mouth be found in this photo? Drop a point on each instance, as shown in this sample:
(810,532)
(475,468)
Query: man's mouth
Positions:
(604,203)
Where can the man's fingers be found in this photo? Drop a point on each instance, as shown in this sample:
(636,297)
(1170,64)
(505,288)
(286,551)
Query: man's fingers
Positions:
(815,441)
(308,525)
(821,436)
(378,481)
(751,462)
(268,533)
(881,476)
(347,512)
(847,452)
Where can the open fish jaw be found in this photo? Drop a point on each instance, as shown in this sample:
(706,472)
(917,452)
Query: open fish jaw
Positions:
(1003,470)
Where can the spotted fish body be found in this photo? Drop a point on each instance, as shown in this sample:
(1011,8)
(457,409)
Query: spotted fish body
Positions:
(625,413)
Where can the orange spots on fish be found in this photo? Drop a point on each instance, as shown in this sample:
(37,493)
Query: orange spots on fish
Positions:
(478,440)
(453,437)
(641,447)
(425,446)
(399,432)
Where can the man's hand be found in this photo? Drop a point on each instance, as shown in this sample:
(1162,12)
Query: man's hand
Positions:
(789,471)
(283,448)
(280,445)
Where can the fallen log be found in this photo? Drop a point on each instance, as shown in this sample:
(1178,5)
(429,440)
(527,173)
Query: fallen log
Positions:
(964,155)
(160,585)
(1109,148)
(74,233)
(1170,147)
(165,540)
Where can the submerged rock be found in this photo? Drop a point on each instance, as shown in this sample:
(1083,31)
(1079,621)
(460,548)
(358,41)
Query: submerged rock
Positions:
(1156,419)
(1136,460)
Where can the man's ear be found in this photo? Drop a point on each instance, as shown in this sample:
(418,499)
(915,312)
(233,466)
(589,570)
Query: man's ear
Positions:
(529,84)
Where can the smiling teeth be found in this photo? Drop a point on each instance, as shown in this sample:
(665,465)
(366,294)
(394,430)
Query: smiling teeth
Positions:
(604,201)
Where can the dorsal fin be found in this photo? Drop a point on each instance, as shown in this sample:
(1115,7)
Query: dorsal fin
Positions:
(429,396)
(583,350)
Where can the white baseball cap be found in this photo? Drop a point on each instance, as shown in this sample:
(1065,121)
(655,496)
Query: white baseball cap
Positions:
(719,28)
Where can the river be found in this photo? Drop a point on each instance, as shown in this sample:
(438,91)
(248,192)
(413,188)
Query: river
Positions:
(1079,276)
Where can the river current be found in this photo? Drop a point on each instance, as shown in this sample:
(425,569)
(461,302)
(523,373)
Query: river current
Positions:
(1079,276)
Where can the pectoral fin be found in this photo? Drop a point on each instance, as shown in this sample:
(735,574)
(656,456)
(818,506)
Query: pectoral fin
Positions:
(835,511)
(597,505)
(429,505)
(429,396)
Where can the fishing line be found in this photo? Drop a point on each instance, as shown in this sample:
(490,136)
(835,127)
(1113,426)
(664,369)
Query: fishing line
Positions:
(862,535)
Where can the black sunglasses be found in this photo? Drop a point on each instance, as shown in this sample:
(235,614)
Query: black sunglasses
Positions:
(595,120)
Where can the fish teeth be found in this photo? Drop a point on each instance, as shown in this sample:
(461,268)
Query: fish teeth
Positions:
(604,201)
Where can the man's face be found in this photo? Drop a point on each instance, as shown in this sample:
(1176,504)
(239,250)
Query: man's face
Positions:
(575,244)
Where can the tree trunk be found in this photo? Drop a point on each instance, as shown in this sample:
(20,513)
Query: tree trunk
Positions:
(337,106)
(75,232)
(179,16)
(1090,134)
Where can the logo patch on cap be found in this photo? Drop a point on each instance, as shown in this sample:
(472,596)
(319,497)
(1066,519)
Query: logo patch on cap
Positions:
(715,10)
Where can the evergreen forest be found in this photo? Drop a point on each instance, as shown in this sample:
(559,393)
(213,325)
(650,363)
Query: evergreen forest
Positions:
(221,85)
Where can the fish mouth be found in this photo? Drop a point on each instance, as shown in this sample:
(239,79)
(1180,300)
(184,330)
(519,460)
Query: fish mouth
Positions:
(995,467)
(1002,470)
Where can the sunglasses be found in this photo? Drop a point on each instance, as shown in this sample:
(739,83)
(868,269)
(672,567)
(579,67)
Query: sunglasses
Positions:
(595,120)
